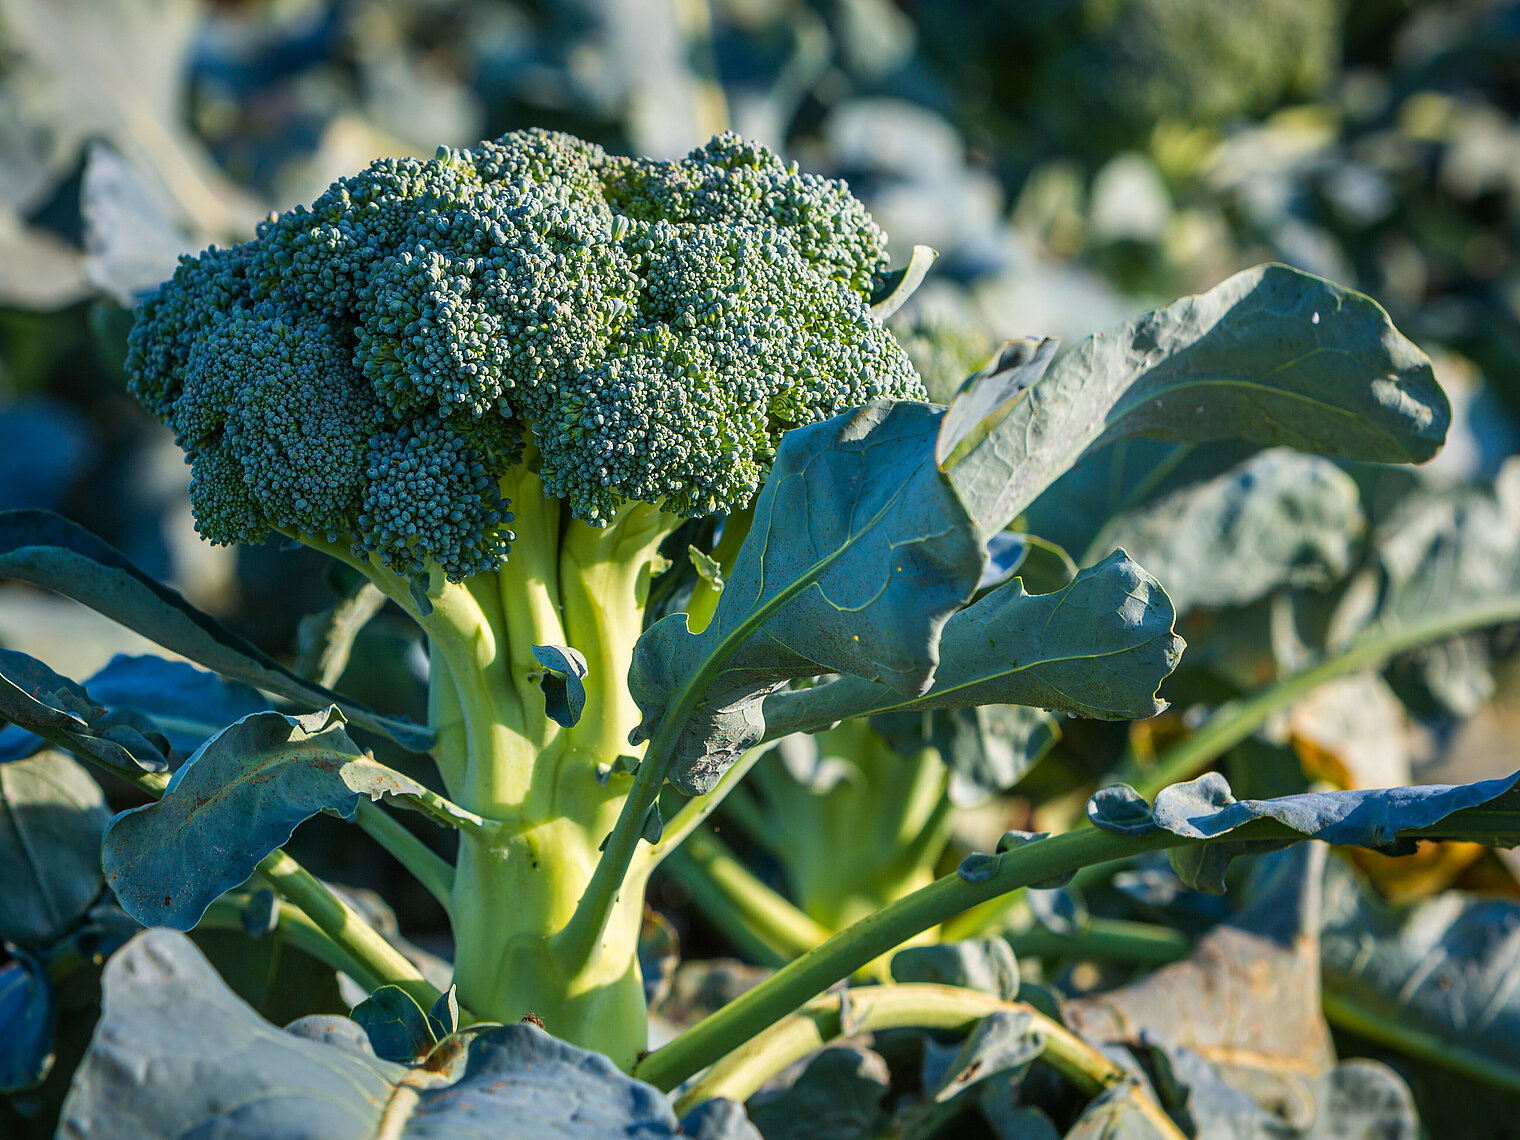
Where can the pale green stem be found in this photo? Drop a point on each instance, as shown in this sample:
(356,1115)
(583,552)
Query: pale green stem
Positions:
(730,893)
(595,908)
(226,913)
(348,931)
(742,811)
(704,598)
(434,872)
(1112,939)
(870,938)
(740,1074)
(336,919)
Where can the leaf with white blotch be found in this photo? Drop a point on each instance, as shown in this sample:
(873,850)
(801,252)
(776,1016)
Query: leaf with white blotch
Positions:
(1098,648)
(1439,973)
(1279,519)
(40,704)
(1388,819)
(858,553)
(1247,997)
(235,801)
(219,1068)
(52,816)
(1272,355)
(49,551)
(564,693)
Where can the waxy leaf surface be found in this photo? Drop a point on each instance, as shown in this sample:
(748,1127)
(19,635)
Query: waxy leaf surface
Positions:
(1279,519)
(1098,648)
(1272,355)
(219,1069)
(235,801)
(52,815)
(858,554)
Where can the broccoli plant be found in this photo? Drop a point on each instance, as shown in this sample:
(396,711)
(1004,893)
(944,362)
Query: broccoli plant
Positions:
(496,382)
(630,444)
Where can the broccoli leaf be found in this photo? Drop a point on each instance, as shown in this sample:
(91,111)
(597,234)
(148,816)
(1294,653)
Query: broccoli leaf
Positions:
(986,964)
(398,1028)
(186,704)
(564,671)
(236,800)
(1258,975)
(1436,978)
(49,551)
(1272,355)
(217,1065)
(987,748)
(52,816)
(1485,812)
(858,554)
(38,701)
(1279,519)
(1098,648)
(28,1013)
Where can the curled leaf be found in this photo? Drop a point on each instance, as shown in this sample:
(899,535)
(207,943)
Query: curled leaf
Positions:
(564,693)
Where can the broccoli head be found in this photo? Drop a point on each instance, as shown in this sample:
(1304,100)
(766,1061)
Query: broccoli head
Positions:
(375,367)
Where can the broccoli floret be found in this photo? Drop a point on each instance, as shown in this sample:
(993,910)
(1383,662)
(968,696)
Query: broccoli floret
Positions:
(373,367)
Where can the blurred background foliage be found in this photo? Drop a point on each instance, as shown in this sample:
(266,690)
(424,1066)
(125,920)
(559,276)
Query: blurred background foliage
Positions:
(1074,162)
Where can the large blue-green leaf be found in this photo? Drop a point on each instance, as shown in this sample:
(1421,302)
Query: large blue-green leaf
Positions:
(218,1069)
(1098,648)
(52,815)
(1272,355)
(28,1014)
(184,704)
(1356,1100)
(985,964)
(49,551)
(236,800)
(42,704)
(1447,562)
(858,554)
(840,1095)
(1437,978)
(987,748)
(397,1026)
(1383,818)
(1279,519)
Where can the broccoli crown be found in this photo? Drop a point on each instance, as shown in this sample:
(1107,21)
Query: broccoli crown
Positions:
(375,365)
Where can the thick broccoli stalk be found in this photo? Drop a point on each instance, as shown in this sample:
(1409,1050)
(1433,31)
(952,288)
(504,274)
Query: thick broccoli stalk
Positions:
(494,382)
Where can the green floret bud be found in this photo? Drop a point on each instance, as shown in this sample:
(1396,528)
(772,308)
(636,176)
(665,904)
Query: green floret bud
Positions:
(371,367)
